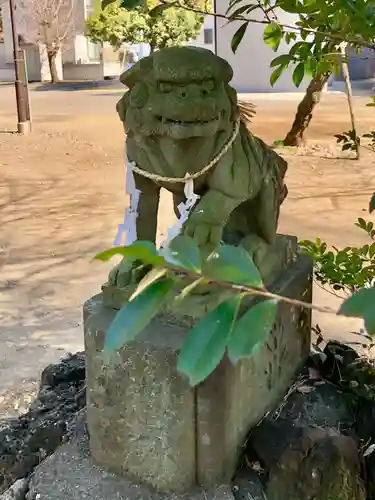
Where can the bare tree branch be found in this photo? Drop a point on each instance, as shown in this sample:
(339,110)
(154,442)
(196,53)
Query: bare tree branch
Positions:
(49,22)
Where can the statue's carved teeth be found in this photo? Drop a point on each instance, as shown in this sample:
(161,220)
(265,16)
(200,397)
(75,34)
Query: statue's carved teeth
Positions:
(185,122)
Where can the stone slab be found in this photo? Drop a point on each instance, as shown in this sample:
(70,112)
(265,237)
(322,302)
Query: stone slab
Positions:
(70,474)
(147,423)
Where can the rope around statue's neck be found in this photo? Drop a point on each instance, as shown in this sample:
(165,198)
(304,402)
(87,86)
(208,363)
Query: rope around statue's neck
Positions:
(189,177)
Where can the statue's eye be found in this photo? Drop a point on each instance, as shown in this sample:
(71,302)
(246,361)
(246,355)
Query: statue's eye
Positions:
(139,95)
(207,86)
(165,87)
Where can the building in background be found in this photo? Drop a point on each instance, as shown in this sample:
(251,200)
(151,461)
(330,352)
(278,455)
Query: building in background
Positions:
(80,59)
(206,37)
(251,63)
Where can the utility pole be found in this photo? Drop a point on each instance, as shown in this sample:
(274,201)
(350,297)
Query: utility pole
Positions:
(23,122)
(215,26)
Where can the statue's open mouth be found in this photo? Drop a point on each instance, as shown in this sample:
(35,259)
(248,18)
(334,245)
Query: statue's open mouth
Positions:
(185,122)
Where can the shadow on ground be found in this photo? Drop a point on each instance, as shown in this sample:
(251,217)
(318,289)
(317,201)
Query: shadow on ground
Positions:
(53,224)
(359,87)
(76,86)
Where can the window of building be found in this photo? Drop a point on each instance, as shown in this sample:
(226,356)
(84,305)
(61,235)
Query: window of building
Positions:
(93,51)
(89,7)
(208,36)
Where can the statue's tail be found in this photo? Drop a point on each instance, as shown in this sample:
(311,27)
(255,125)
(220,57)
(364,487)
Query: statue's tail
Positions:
(246,111)
(283,166)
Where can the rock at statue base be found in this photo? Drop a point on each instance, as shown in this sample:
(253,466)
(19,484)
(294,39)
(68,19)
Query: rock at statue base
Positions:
(145,421)
(320,465)
(27,440)
(69,474)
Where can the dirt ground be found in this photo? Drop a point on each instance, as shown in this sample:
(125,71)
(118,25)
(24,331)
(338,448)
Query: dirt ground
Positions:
(62,196)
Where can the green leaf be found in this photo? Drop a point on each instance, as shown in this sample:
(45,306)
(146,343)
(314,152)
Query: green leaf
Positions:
(301,48)
(144,251)
(361,223)
(275,75)
(241,10)
(131,4)
(290,37)
(182,252)
(238,36)
(105,3)
(298,74)
(282,60)
(272,35)
(340,137)
(252,330)
(361,305)
(189,288)
(371,207)
(231,5)
(136,315)
(206,342)
(159,9)
(311,65)
(234,265)
(303,34)
(291,6)
(154,275)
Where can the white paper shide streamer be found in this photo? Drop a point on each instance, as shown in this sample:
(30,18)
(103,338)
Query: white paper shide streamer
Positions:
(184,211)
(127,231)
(129,227)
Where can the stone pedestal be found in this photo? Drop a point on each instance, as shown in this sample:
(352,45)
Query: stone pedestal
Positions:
(145,421)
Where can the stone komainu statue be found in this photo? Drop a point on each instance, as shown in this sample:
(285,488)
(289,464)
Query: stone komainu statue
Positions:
(181,116)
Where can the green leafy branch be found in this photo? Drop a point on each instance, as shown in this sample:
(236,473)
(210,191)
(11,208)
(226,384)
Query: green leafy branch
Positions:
(233,327)
(371,135)
(346,270)
(151,22)
(349,141)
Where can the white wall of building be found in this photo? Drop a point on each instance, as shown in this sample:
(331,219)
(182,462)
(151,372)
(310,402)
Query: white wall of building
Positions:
(8,42)
(206,37)
(83,71)
(2,55)
(6,72)
(251,63)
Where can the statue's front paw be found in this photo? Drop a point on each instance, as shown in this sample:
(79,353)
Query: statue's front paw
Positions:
(127,273)
(121,275)
(204,233)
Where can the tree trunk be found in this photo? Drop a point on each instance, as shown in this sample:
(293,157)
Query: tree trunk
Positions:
(305,109)
(153,46)
(51,54)
(349,95)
